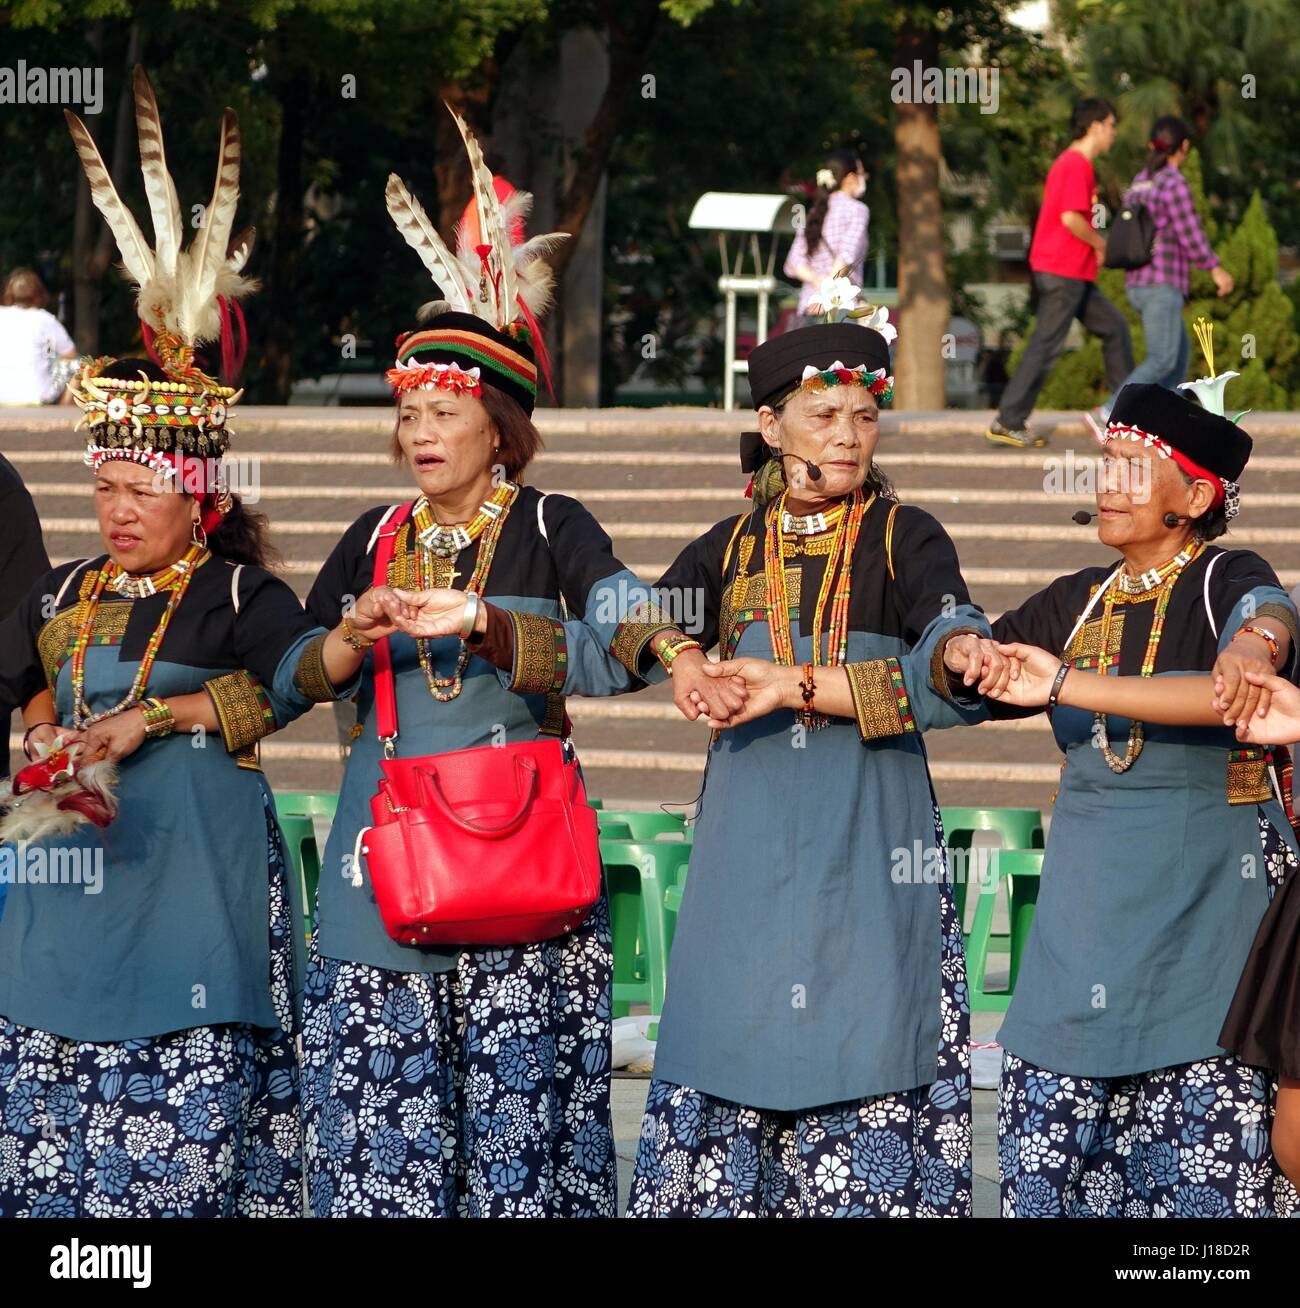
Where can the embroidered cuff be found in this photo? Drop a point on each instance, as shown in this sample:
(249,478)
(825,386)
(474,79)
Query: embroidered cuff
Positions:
(633,637)
(938,672)
(880,700)
(310,678)
(243,710)
(541,660)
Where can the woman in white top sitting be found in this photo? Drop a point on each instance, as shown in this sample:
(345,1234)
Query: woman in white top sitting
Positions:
(32,344)
(834,235)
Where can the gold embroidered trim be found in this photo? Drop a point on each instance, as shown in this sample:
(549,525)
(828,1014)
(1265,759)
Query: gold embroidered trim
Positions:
(552,723)
(1248,778)
(938,672)
(633,635)
(541,657)
(88,579)
(1279,613)
(239,711)
(875,702)
(1087,640)
(248,758)
(310,678)
(54,641)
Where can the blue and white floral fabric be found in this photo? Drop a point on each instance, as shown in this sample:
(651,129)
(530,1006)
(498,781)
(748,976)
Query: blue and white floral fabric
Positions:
(1185,1141)
(196,1123)
(905,1154)
(481,1092)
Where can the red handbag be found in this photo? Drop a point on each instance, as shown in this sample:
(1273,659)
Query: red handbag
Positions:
(478,847)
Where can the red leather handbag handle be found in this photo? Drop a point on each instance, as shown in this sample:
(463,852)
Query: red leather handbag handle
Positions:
(429,787)
(385,687)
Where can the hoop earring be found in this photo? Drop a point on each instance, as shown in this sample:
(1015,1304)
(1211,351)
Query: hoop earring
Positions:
(198,535)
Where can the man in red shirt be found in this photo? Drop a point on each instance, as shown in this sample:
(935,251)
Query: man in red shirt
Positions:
(1063,258)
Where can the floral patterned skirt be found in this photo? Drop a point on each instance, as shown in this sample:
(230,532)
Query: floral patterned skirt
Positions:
(905,1154)
(1185,1141)
(196,1123)
(480,1092)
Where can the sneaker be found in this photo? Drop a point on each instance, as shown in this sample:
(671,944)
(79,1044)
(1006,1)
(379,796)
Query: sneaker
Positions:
(1095,420)
(1021,438)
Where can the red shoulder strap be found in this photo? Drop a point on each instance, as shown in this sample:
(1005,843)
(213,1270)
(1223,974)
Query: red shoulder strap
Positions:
(385,688)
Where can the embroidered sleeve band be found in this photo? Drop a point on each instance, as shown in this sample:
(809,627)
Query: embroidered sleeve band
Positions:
(311,679)
(243,710)
(541,660)
(880,698)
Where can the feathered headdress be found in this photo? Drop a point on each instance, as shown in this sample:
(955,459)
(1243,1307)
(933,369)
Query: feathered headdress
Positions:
(184,299)
(493,291)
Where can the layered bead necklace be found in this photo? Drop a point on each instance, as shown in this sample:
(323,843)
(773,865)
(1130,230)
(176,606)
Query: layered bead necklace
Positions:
(1162,580)
(446,542)
(177,578)
(836,584)
(438,540)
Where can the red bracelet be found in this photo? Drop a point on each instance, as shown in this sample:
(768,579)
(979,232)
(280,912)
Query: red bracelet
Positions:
(1268,637)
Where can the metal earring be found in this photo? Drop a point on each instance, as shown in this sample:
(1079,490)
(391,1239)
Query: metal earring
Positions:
(198,535)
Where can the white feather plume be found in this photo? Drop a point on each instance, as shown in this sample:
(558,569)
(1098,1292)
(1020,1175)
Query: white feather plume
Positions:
(137,257)
(420,234)
(500,265)
(177,289)
(159,189)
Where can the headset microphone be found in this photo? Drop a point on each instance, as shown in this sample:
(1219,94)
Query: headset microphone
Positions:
(1083,517)
(814,472)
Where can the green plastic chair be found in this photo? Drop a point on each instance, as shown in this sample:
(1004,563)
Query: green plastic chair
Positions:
(612,828)
(652,824)
(638,875)
(595,803)
(307,803)
(300,841)
(1020,871)
(1017,828)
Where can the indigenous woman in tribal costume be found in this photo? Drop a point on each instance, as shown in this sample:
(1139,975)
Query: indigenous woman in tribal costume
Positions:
(445,1082)
(812,1058)
(146,1045)
(1118,1098)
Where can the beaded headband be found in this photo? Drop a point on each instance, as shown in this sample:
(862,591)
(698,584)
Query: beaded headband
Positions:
(820,379)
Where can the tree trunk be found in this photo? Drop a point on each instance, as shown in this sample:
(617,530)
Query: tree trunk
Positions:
(631,35)
(92,241)
(924,307)
(294,90)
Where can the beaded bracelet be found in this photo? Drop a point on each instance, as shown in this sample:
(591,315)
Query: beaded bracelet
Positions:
(669,648)
(1267,636)
(353,638)
(158,719)
(808,688)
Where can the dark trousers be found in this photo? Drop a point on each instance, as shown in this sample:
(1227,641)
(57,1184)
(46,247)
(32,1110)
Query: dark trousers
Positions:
(1060,301)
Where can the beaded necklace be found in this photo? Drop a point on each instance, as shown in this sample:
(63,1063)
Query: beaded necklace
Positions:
(133,586)
(1166,575)
(446,542)
(444,689)
(811,524)
(185,568)
(836,585)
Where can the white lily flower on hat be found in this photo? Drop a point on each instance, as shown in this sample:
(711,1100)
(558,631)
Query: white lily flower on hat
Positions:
(837,293)
(1209,390)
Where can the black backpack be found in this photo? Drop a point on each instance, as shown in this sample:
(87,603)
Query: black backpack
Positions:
(1132,237)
